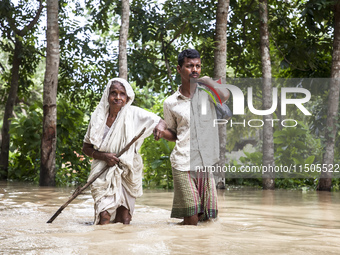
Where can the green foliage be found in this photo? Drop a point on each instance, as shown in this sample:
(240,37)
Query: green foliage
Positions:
(300,38)
(71,168)
(303,38)
(155,154)
(157,167)
(250,182)
(296,146)
(13,18)
(293,146)
(296,183)
(244,39)
(24,160)
(158,35)
(83,70)
(336,184)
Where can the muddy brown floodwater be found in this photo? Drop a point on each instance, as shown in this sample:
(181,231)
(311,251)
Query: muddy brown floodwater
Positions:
(249,222)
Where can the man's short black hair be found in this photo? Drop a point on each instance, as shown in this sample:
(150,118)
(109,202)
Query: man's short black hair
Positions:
(189,53)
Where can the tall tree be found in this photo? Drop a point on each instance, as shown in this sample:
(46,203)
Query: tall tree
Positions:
(268,141)
(220,51)
(220,70)
(325,182)
(123,36)
(49,137)
(14,83)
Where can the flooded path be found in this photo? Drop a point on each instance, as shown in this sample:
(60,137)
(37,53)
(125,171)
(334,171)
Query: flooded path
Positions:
(250,222)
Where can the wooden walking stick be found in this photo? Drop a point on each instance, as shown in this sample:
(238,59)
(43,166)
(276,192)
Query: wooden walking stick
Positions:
(79,190)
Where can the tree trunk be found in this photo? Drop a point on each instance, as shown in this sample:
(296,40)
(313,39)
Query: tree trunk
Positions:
(220,52)
(220,64)
(49,137)
(268,181)
(9,110)
(325,182)
(123,36)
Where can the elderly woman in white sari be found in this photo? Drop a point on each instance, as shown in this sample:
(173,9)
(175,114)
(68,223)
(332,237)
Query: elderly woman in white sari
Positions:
(113,124)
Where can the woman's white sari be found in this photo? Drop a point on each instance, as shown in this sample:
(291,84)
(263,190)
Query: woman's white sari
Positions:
(122,183)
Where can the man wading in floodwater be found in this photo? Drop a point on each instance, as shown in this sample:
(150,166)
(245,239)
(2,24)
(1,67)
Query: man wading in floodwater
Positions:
(195,196)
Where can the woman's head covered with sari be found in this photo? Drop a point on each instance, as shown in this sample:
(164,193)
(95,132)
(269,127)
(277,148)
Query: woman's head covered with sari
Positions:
(99,116)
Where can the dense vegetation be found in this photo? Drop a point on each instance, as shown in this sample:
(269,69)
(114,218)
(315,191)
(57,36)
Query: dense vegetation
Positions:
(301,37)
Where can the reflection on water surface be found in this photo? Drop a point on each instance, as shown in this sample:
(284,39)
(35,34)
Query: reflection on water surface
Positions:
(250,221)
